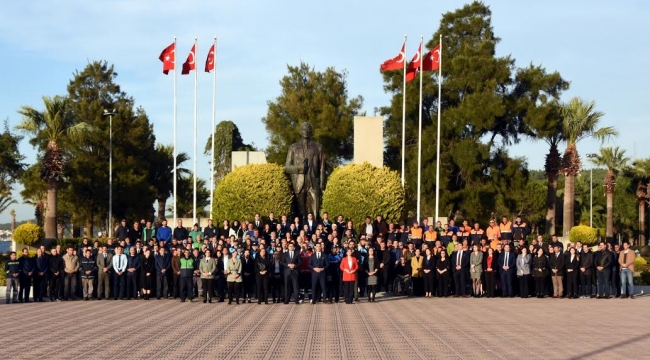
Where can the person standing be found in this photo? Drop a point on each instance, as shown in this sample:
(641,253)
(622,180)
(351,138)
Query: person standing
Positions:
(476,269)
(248,272)
(429,267)
(442,272)
(133,264)
(349,267)
(556,264)
(276,277)
(586,265)
(489,270)
(180,232)
(208,268)
(318,264)
(460,266)
(370,267)
(523,272)
(71,266)
(56,274)
(262,266)
(222,272)
(41,267)
(540,272)
(88,267)
(163,264)
(104,267)
(26,273)
(176,273)
(148,232)
(122,231)
(185,276)
(147,273)
(603,263)
(626,261)
(572,269)
(119,267)
(507,268)
(234,278)
(291,262)
(164,232)
(416,272)
(12,271)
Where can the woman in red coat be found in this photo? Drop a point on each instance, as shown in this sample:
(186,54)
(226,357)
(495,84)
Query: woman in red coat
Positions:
(349,267)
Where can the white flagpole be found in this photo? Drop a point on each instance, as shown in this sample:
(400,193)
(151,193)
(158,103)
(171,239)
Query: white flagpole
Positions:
(420,132)
(196,89)
(438,133)
(175,71)
(404,114)
(214,115)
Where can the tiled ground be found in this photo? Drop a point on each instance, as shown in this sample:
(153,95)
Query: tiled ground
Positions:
(391,328)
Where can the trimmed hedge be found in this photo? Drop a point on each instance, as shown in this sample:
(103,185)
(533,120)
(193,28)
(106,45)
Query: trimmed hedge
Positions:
(585,234)
(250,189)
(364,190)
(28,234)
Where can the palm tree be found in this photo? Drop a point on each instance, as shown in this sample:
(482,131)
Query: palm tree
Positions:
(12,212)
(641,173)
(5,200)
(580,121)
(163,174)
(552,168)
(51,130)
(614,160)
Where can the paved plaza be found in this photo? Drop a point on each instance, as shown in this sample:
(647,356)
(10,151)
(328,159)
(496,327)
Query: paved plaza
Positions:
(391,328)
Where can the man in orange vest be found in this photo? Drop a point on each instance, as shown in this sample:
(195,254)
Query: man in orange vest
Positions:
(506,230)
(493,234)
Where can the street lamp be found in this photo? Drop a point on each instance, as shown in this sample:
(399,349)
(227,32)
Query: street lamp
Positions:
(110,170)
(591,192)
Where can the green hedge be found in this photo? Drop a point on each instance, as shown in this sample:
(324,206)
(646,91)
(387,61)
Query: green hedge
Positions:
(585,234)
(364,190)
(250,189)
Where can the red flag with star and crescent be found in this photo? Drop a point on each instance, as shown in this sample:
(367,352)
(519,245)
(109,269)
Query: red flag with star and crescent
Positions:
(395,63)
(414,65)
(431,61)
(209,62)
(167,57)
(189,64)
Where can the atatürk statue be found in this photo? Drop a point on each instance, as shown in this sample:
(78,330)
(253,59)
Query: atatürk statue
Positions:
(306,168)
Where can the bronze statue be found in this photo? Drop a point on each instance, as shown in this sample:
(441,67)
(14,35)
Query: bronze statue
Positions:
(306,167)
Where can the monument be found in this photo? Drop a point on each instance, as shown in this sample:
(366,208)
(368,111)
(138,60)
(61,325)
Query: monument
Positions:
(305,166)
(369,140)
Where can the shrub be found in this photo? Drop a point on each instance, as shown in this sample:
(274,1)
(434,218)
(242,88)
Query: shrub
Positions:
(644,251)
(645,278)
(357,191)
(250,189)
(584,234)
(28,234)
(639,261)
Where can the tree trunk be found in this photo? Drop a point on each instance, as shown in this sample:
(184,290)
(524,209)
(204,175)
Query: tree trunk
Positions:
(569,204)
(88,227)
(609,232)
(641,236)
(50,211)
(551,199)
(161,209)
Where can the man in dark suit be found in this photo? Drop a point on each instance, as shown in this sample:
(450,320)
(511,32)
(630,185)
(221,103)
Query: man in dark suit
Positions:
(305,166)
(104,271)
(318,264)
(291,263)
(507,268)
(311,223)
(460,269)
(556,264)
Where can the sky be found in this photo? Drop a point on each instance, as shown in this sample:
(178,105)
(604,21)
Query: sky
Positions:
(601,47)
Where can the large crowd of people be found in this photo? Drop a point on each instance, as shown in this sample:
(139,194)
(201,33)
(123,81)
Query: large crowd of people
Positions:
(324,260)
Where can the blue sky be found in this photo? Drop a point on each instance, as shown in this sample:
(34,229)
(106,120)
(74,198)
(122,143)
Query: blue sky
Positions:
(600,46)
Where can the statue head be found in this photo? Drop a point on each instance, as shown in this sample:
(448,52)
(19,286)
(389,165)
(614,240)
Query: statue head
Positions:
(306,130)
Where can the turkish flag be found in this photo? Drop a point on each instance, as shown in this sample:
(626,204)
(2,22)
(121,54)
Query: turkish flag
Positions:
(189,64)
(431,60)
(167,57)
(209,62)
(414,65)
(395,63)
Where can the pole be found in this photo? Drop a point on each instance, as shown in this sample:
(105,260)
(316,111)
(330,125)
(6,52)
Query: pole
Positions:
(438,132)
(196,89)
(110,176)
(591,197)
(420,133)
(404,114)
(175,150)
(214,115)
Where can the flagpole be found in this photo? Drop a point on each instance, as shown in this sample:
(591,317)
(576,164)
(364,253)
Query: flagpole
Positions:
(438,133)
(420,133)
(196,89)
(404,114)
(214,115)
(175,70)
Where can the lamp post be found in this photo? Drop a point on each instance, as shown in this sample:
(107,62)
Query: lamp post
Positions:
(591,192)
(110,170)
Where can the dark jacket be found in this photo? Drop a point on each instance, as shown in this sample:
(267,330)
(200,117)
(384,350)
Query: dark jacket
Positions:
(162,262)
(442,265)
(41,264)
(556,262)
(132,262)
(262,264)
(464,262)
(587,262)
(604,259)
(87,264)
(180,233)
(247,266)
(122,232)
(148,265)
(12,267)
(26,264)
(55,264)
(540,266)
(569,265)
(210,231)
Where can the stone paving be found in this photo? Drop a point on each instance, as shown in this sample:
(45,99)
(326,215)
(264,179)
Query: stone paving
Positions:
(391,328)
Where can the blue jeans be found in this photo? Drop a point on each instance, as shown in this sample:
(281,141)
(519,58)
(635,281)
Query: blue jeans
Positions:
(602,278)
(627,278)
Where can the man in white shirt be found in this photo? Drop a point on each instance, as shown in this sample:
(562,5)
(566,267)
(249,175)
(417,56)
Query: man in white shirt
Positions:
(119,268)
